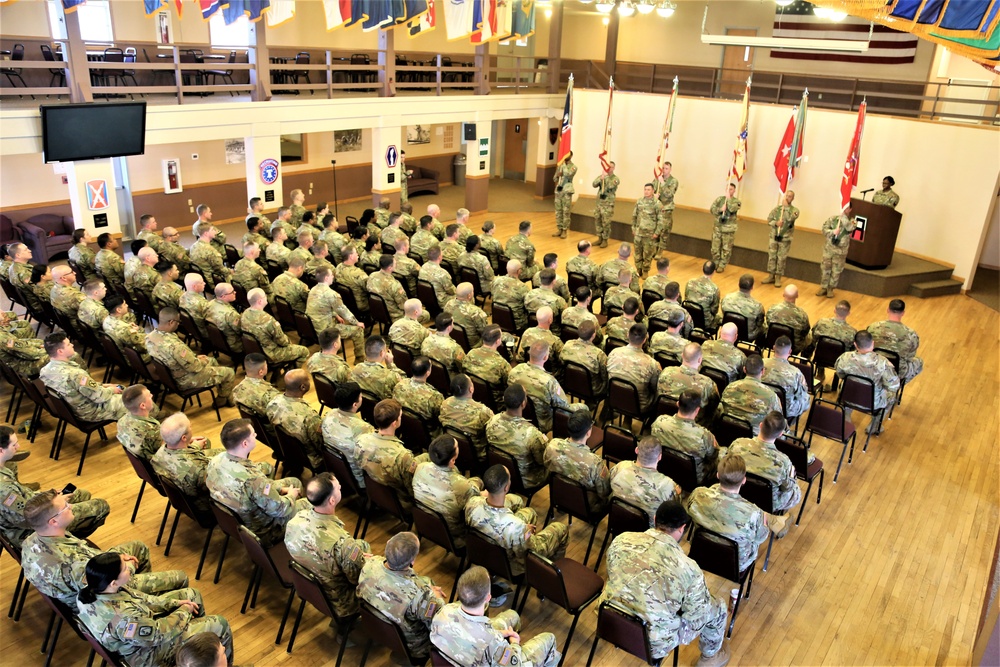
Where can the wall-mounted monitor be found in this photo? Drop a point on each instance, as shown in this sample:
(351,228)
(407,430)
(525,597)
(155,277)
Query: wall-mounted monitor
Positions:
(91,131)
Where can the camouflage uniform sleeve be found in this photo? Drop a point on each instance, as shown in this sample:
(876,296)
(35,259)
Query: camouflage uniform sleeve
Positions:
(717,206)
(697,603)
(537,446)
(264,494)
(602,479)
(150,632)
(349,555)
(277,335)
(95,392)
(889,378)
(425,604)
(13,496)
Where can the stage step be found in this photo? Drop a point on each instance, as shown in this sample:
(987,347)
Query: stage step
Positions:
(936,288)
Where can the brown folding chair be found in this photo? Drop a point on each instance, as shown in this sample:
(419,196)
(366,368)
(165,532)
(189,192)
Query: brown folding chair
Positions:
(719,555)
(308,588)
(21,589)
(385,497)
(729,428)
(579,383)
(274,561)
(144,471)
(829,420)
(760,491)
(798,452)
(776,330)
(326,392)
(483,391)
(336,462)
(488,554)
(623,517)
(560,429)
(825,355)
(665,405)
(294,455)
(858,393)
(403,356)
(415,432)
(626,631)
(171,387)
(503,317)
(440,378)
(62,410)
(680,467)
(619,444)
(379,312)
(570,496)
(497,456)
(182,505)
(623,400)
(459,335)
(432,525)
(386,632)
(230,524)
(428,297)
(720,378)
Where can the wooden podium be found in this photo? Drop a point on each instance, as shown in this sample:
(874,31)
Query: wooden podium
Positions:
(874,241)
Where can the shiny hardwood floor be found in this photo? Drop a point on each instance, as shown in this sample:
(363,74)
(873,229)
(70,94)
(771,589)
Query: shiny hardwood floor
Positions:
(891,568)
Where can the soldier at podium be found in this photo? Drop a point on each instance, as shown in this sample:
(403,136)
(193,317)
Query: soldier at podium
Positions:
(885,196)
(837,230)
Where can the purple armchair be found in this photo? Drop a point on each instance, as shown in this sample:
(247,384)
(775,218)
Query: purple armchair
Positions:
(47,235)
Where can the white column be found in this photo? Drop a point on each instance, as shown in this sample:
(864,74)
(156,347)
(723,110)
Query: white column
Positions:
(263,155)
(387,144)
(92,196)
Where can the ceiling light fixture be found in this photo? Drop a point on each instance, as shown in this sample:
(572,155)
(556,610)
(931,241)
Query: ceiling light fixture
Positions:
(645,6)
(605,7)
(666,9)
(784,3)
(626,8)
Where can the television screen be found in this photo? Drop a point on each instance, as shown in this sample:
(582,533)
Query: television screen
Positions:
(90,131)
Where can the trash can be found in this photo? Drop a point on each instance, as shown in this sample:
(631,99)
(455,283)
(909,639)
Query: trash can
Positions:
(459,166)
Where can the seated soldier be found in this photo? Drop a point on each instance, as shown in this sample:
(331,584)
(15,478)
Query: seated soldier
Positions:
(893,335)
(87,399)
(462,413)
(138,431)
(417,395)
(377,374)
(407,331)
(342,427)
(254,391)
(384,457)
(441,347)
(763,459)
(510,291)
(543,332)
(486,362)
(225,317)
(634,366)
(676,379)
(584,352)
(670,342)
(617,328)
(183,459)
(778,370)
(572,458)
(683,434)
(515,435)
(722,353)
(864,362)
(749,399)
(188,369)
(543,389)
(328,362)
(267,332)
(439,486)
(297,417)
(639,483)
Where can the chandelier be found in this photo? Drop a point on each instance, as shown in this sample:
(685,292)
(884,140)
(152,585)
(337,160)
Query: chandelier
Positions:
(663,8)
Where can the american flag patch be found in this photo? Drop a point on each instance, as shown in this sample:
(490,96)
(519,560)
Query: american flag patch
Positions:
(130,630)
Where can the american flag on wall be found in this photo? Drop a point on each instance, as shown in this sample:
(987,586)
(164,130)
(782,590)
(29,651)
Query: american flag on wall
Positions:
(888,46)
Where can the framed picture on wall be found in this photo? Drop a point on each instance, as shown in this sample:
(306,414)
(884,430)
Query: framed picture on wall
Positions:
(346,141)
(164,31)
(236,151)
(418,134)
(172,176)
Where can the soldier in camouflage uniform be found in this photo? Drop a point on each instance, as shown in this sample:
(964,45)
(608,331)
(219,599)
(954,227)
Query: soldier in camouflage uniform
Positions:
(865,362)
(89,513)
(91,310)
(107,263)
(749,399)
(703,291)
(122,330)
(742,303)
(19,272)
(836,327)
(788,313)
(579,313)
(328,362)
(617,328)
(607,188)
(463,633)
(647,225)
(510,291)
(473,259)
(416,394)
(384,457)
(25,355)
(781,223)
(88,399)
(283,221)
(450,249)
(290,287)
(545,296)
(377,374)
(487,363)
(551,261)
(266,330)
(326,309)
(277,250)
(208,259)
(586,267)
(521,248)
(183,460)
(188,369)
(464,414)
(293,414)
(440,280)
(886,196)
(585,352)
(657,282)
(439,486)
(248,274)
(669,304)
(254,391)
(139,430)
(263,505)
(166,293)
(725,209)
(147,232)
(257,232)
(669,342)
(194,303)
(763,459)
(515,435)
(54,561)
(544,390)
(381,219)
(392,232)
(353,277)
(543,332)
(317,539)
(342,427)
(441,347)
(722,510)
(616,295)
(434,211)
(406,269)
(369,256)
(572,458)
(408,223)
(514,531)
(423,239)
(650,576)
(675,380)
(563,178)
(639,483)
(666,188)
(392,587)
(65,296)
(491,246)
(837,231)
(466,314)
(630,364)
(722,353)
(892,334)
(222,314)
(81,254)
(407,330)
(174,251)
(777,370)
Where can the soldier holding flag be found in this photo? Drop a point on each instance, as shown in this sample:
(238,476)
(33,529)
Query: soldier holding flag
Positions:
(607,187)
(782,223)
(724,208)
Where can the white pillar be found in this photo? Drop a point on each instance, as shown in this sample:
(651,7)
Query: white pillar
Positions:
(263,165)
(387,144)
(92,196)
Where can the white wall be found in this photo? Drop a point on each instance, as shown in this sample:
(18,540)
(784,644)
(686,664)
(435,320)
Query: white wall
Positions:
(944,173)
(991,246)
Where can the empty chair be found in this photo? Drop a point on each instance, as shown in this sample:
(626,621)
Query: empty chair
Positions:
(12,73)
(807,471)
(775,331)
(729,428)
(225,74)
(829,420)
(623,400)
(58,73)
(144,471)
(680,467)
(825,355)
(230,523)
(275,562)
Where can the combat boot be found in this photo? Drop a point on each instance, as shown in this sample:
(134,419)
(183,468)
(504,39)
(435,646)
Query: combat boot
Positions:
(777,281)
(768,280)
(563,234)
(556,233)
(721,269)
(720,659)
(778,524)
(829,292)
(821,292)
(604,243)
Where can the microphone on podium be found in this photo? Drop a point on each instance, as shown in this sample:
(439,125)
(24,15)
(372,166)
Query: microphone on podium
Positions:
(864,192)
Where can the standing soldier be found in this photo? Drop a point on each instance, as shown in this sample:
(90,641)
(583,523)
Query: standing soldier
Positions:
(404,176)
(563,179)
(724,208)
(666,187)
(781,222)
(886,196)
(607,187)
(837,229)
(647,222)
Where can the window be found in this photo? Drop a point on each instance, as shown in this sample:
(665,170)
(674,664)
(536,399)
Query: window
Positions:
(234,34)
(293,148)
(95,21)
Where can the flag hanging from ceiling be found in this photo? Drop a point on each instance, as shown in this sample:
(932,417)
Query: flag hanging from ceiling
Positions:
(606,146)
(458,18)
(887,47)
(566,132)
(853,163)
(334,19)
(504,22)
(740,151)
(484,20)
(668,124)
(523,19)
(71,5)
(255,9)
(358,13)
(422,24)
(151,6)
(233,10)
(280,11)
(381,13)
(789,155)
(208,8)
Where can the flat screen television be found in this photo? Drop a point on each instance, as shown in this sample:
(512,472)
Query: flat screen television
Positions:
(91,131)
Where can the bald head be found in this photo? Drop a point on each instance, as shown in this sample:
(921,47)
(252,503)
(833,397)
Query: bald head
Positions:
(791,293)
(464,291)
(148,256)
(513,267)
(297,382)
(169,231)
(729,332)
(194,282)
(63,275)
(544,316)
(222,289)
(257,298)
(412,308)
(624,251)
(691,356)
(434,210)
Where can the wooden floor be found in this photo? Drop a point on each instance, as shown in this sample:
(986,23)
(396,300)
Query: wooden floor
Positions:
(890,569)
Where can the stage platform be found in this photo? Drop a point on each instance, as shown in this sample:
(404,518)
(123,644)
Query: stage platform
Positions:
(692,235)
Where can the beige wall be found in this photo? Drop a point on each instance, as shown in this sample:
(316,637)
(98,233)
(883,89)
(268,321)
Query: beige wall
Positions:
(27,18)
(26,180)
(945,173)
(677,40)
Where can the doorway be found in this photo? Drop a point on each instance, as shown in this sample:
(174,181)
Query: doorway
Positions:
(123,194)
(515,153)
(737,64)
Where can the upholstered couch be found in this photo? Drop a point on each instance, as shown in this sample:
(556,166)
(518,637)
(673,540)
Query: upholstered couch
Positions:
(47,235)
(422,180)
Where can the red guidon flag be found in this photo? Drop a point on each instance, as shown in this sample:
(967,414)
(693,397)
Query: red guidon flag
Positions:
(566,133)
(853,162)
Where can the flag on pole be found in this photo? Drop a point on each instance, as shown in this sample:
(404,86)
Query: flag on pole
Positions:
(853,162)
(606,146)
(740,151)
(789,154)
(422,22)
(566,133)
(668,124)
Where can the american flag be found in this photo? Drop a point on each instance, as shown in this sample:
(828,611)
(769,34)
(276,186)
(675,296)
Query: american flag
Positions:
(888,46)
